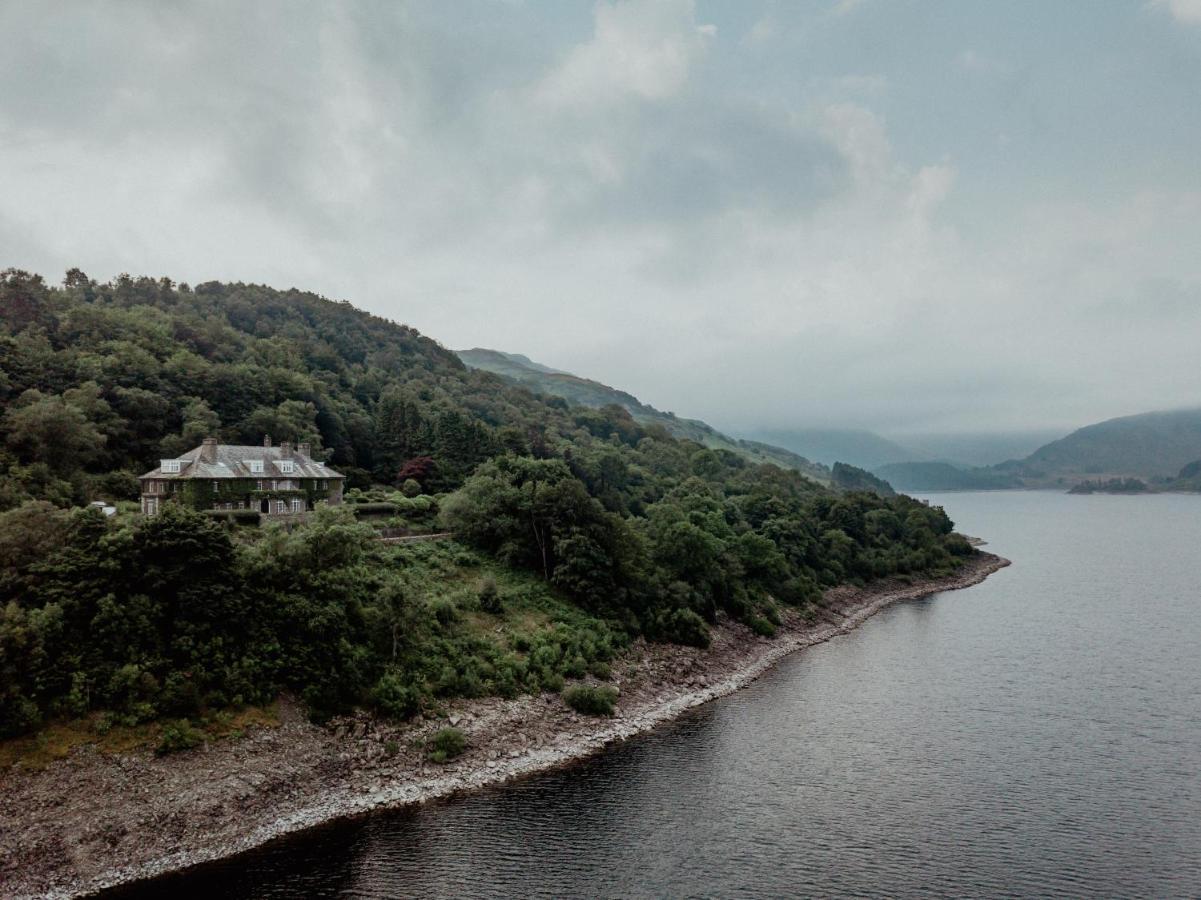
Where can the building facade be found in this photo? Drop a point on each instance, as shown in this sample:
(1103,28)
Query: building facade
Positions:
(275,481)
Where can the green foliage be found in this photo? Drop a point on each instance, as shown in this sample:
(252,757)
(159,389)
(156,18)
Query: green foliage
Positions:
(446,744)
(489,595)
(591,700)
(177,736)
(762,626)
(592,526)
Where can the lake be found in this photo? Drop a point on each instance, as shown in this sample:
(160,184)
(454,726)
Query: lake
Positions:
(1039,733)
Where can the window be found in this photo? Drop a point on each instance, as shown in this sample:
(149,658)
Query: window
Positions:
(260,484)
(216,486)
(280,506)
(285,466)
(297,506)
(170,465)
(256,466)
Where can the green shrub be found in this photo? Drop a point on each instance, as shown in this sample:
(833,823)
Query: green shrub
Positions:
(374,509)
(393,698)
(600,670)
(591,700)
(489,596)
(391,748)
(179,735)
(762,627)
(446,743)
(445,611)
(682,626)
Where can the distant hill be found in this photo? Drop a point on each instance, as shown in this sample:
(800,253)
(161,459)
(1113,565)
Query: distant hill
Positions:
(941,476)
(974,449)
(586,392)
(1153,446)
(864,449)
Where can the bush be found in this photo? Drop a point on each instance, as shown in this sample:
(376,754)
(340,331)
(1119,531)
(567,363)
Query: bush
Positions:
(682,626)
(177,736)
(489,596)
(411,487)
(394,698)
(600,670)
(445,611)
(762,627)
(591,700)
(374,509)
(447,743)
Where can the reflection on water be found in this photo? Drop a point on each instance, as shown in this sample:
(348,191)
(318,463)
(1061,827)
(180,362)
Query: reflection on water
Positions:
(1039,733)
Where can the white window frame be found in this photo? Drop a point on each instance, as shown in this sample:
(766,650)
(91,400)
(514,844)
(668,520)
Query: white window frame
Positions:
(297,505)
(256,466)
(285,466)
(260,484)
(170,465)
(216,487)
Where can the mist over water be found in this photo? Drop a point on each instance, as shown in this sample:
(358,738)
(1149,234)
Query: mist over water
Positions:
(1038,733)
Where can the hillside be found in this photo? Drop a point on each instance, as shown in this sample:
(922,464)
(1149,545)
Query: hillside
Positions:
(941,476)
(587,392)
(1151,446)
(864,449)
(575,528)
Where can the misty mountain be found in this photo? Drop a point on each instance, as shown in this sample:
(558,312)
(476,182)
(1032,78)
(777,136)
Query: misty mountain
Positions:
(1158,447)
(864,449)
(979,448)
(586,392)
(1154,445)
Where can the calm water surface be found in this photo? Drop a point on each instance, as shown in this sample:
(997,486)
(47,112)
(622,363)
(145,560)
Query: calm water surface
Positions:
(1037,734)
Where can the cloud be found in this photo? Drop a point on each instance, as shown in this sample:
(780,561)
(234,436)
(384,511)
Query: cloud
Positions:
(620,195)
(639,49)
(1187,12)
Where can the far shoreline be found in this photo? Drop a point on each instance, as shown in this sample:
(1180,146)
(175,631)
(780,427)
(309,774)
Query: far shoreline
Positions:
(101,822)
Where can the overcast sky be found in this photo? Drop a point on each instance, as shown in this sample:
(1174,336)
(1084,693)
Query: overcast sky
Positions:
(898,215)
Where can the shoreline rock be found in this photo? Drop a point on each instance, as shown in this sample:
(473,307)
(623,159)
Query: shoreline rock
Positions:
(92,822)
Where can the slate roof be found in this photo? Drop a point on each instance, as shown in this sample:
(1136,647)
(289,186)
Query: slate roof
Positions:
(233,461)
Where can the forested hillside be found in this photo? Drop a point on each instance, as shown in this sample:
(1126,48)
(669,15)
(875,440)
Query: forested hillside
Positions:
(586,392)
(580,527)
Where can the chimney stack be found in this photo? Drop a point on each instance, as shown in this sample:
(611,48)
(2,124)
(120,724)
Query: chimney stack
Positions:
(303,450)
(285,449)
(208,450)
(266,440)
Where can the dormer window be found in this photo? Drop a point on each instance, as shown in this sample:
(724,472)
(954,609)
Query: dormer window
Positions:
(285,466)
(256,466)
(170,465)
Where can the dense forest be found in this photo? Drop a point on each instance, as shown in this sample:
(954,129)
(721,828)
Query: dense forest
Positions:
(577,528)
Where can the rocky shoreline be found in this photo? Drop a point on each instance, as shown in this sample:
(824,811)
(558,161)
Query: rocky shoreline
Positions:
(92,821)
